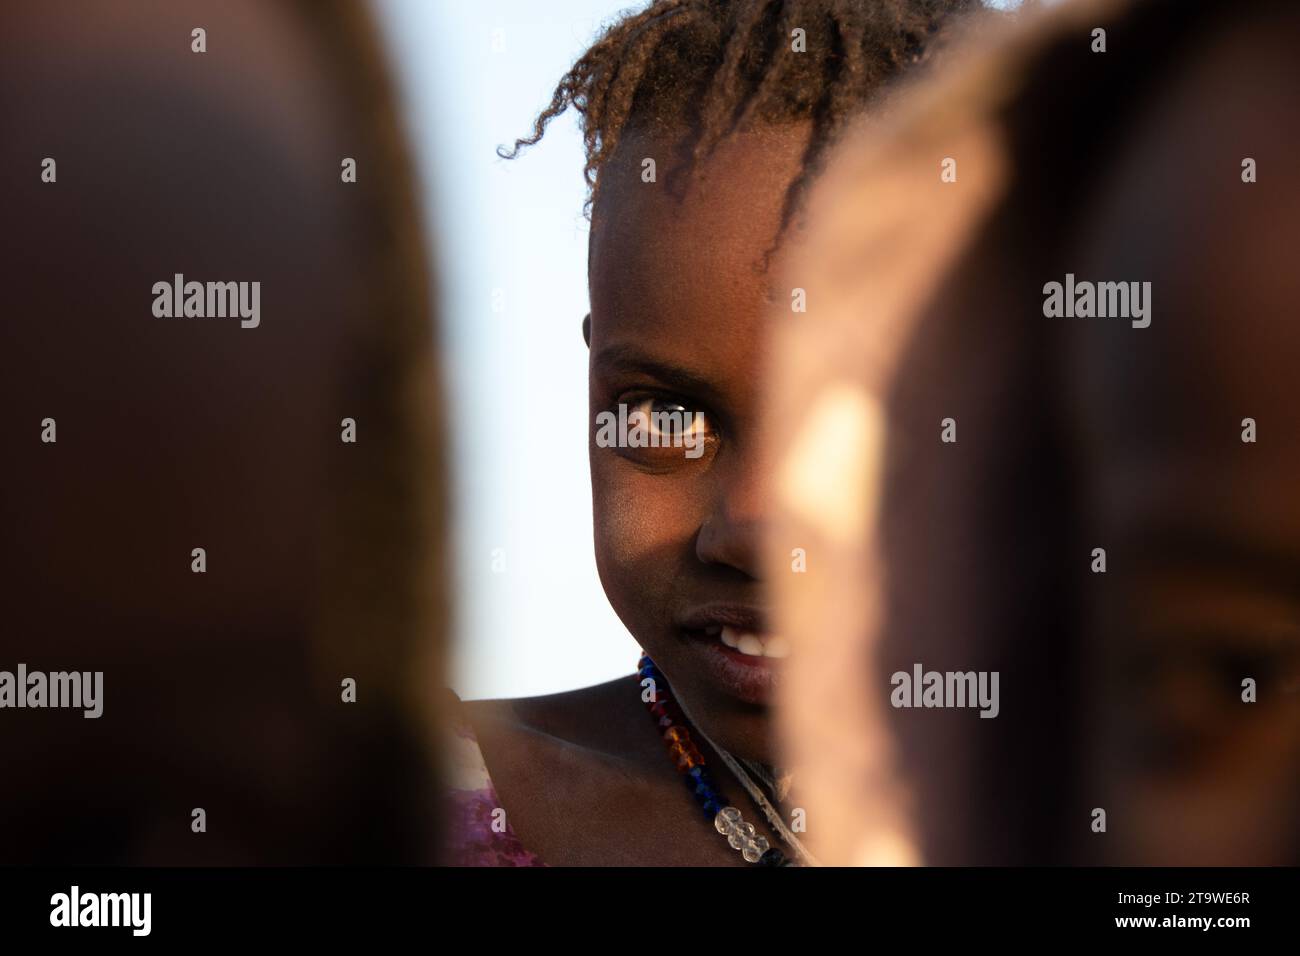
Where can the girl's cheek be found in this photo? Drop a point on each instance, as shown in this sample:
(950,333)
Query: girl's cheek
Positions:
(643,523)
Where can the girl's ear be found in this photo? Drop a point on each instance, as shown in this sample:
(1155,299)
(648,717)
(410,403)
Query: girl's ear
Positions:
(586,329)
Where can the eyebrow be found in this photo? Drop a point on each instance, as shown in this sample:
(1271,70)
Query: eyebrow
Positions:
(630,358)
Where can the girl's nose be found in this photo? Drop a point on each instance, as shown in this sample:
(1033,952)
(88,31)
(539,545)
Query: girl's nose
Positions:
(731,532)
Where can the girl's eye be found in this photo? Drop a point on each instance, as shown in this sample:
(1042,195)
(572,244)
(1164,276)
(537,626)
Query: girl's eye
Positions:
(657,430)
(666,419)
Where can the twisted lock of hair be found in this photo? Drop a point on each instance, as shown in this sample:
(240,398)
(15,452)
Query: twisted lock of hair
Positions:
(708,68)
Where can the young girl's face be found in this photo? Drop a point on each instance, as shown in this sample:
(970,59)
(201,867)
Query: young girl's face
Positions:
(679,300)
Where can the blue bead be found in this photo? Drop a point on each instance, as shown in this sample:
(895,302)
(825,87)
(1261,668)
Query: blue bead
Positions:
(773,857)
(711,809)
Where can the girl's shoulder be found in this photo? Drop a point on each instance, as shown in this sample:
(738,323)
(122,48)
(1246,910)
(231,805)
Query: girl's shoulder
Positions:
(553,765)
(604,719)
(477,831)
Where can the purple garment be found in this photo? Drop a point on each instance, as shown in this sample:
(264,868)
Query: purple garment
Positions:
(478,833)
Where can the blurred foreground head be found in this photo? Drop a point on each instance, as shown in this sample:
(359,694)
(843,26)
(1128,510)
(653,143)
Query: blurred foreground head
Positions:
(1101,510)
(223,690)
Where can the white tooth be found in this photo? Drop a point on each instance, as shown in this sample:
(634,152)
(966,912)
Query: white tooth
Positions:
(751,645)
(776,646)
(730,637)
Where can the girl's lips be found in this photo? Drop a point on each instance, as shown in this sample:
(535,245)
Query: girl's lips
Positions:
(749,677)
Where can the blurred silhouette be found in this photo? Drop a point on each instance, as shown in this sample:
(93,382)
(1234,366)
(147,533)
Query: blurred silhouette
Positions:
(223,690)
(952,457)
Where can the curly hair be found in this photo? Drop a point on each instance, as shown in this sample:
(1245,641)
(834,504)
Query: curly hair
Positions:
(707,68)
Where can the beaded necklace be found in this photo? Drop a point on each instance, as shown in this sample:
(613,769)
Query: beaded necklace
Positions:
(671,719)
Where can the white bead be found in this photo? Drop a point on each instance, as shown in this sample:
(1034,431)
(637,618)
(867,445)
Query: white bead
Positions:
(726,820)
(743,833)
(755,849)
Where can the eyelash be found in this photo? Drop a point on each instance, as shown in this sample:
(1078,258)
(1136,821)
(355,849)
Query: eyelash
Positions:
(634,400)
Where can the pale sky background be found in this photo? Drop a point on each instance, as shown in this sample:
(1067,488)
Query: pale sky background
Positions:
(473,75)
(510,243)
